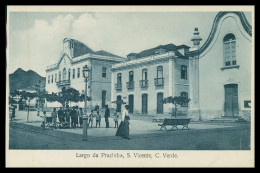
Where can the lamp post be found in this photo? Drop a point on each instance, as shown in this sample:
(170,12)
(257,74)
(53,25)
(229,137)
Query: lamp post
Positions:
(37,88)
(85,71)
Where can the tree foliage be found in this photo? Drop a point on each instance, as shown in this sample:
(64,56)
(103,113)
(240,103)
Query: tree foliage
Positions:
(177,101)
(65,96)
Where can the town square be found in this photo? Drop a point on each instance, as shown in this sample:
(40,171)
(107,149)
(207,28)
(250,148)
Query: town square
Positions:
(130,81)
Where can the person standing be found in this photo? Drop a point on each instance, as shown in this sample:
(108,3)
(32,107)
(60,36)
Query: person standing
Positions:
(13,113)
(107,115)
(116,116)
(126,119)
(72,117)
(67,116)
(60,114)
(80,117)
(76,116)
(54,117)
(98,119)
(91,115)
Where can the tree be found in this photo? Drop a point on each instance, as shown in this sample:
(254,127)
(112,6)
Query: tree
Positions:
(177,100)
(65,96)
(28,96)
(119,103)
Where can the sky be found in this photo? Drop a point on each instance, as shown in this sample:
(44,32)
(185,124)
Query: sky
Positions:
(35,38)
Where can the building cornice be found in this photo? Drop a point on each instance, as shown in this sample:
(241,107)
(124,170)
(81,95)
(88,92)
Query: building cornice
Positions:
(83,58)
(216,22)
(144,60)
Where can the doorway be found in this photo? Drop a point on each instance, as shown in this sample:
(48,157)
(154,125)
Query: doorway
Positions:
(131,103)
(159,103)
(231,100)
(144,103)
(104,98)
(118,105)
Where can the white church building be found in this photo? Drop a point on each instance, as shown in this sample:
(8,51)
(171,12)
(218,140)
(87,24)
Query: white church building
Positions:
(220,70)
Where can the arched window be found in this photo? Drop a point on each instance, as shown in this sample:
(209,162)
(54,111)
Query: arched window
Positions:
(183,72)
(69,74)
(144,74)
(184,94)
(160,72)
(59,76)
(64,74)
(229,43)
(119,77)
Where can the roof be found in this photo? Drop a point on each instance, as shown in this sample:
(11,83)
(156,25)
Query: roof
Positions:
(167,48)
(104,53)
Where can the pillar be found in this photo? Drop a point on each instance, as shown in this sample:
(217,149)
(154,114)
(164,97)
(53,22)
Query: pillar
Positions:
(194,106)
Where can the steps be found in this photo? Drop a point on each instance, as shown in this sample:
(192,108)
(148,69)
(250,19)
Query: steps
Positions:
(225,119)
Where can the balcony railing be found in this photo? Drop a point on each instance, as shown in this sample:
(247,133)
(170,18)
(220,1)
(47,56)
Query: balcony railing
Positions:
(130,85)
(63,83)
(118,86)
(159,81)
(143,83)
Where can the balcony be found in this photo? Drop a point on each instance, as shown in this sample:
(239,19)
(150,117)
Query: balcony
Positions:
(158,81)
(118,86)
(143,83)
(130,85)
(63,83)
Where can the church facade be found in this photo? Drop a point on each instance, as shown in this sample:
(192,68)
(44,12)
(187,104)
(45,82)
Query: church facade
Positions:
(220,70)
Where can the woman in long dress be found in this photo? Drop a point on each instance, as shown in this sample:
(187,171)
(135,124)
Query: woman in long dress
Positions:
(123,129)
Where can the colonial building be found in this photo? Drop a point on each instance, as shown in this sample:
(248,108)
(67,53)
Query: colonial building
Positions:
(220,70)
(67,72)
(145,78)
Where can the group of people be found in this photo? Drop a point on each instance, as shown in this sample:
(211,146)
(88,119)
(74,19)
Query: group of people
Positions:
(74,117)
(68,117)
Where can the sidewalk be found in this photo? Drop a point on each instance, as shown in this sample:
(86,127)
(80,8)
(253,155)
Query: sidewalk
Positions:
(139,125)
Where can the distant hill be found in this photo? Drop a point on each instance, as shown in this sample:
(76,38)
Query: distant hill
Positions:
(25,80)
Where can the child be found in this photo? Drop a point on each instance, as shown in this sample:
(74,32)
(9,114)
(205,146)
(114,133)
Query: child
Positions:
(98,119)
(44,119)
(116,116)
(91,118)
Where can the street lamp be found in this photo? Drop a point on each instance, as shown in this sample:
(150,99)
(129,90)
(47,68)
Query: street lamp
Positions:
(37,88)
(85,71)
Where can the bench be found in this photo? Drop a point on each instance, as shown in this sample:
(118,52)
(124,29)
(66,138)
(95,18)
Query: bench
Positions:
(158,120)
(174,122)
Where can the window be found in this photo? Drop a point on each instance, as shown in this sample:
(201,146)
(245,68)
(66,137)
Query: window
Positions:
(73,74)
(104,72)
(119,81)
(229,42)
(48,79)
(52,78)
(69,74)
(59,76)
(184,94)
(160,72)
(55,77)
(144,74)
(119,77)
(131,76)
(71,45)
(78,72)
(183,72)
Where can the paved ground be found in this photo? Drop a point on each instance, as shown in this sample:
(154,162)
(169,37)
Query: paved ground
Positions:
(145,135)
